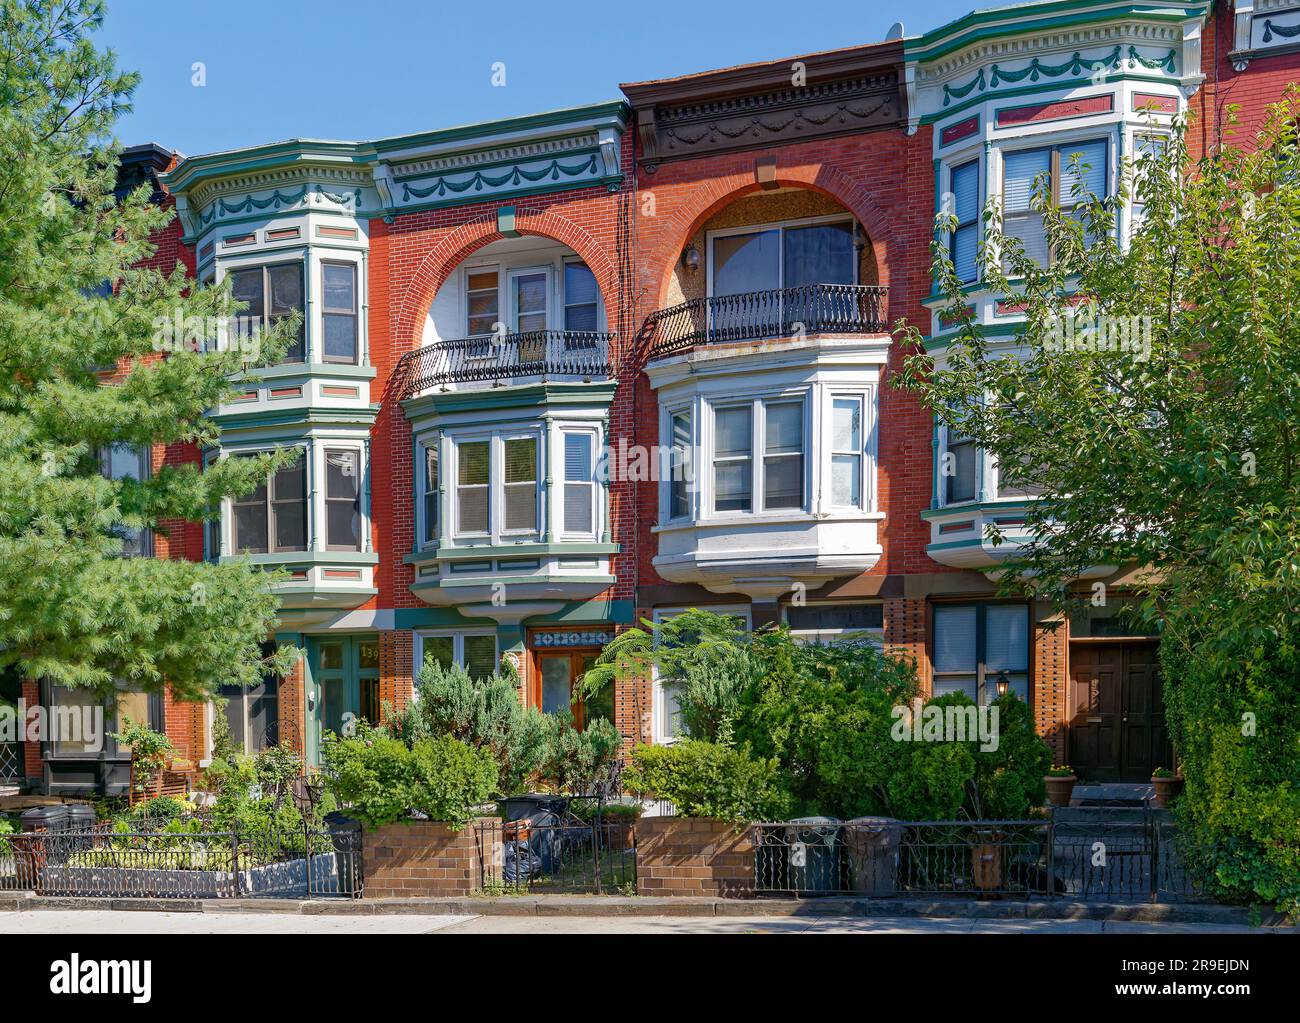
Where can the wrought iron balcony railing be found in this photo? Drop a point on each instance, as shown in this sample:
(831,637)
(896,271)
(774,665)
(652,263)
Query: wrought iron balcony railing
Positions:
(547,353)
(781,312)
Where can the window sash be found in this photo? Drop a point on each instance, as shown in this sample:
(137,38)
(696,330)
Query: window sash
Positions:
(482,301)
(964,240)
(581,298)
(963,483)
(269,508)
(339,318)
(473,507)
(519,489)
(680,425)
(847,451)
(342,499)
(1021,168)
(579,483)
(430,493)
(783,458)
(974,643)
(733,471)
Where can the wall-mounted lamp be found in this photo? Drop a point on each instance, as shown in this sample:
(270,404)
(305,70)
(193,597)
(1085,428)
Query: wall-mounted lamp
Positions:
(691,258)
(1003,683)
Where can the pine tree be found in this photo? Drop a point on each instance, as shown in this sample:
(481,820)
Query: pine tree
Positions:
(73,610)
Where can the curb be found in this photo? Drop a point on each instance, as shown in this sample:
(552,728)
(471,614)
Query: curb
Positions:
(652,906)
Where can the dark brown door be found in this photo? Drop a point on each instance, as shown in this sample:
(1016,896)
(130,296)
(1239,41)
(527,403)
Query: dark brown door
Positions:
(1117,714)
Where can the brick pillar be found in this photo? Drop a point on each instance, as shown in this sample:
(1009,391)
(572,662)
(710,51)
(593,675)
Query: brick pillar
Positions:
(291,705)
(634,702)
(183,726)
(396,677)
(907,636)
(1051,680)
(32,766)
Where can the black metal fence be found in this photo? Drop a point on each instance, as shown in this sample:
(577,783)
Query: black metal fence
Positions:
(11,761)
(1076,854)
(544,353)
(567,857)
(780,312)
(183,863)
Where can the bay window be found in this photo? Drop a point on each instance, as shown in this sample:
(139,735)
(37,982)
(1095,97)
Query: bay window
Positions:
(959,467)
(472,470)
(773,426)
(519,486)
(579,482)
(274,516)
(272,293)
(975,644)
(1068,184)
(429,494)
(847,451)
(339,312)
(963,243)
(342,500)
(680,463)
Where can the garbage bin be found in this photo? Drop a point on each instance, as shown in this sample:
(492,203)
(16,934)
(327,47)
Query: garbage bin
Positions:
(871,846)
(81,816)
(813,854)
(49,818)
(345,837)
(514,808)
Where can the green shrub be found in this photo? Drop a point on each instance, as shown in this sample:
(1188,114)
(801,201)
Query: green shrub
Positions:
(576,760)
(703,779)
(381,779)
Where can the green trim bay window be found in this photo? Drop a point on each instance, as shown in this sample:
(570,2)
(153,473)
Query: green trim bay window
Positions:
(1069,185)
(272,293)
(429,494)
(472,490)
(519,486)
(342,500)
(274,516)
(964,240)
(339,312)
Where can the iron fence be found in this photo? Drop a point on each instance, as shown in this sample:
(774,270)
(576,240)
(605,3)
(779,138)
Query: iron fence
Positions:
(780,312)
(1086,855)
(546,353)
(183,863)
(567,857)
(11,761)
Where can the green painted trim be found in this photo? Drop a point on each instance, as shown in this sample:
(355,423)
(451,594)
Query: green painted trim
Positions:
(355,595)
(360,217)
(306,370)
(523,550)
(305,558)
(426,406)
(1018,19)
(505,193)
(975,508)
(610,109)
(1028,90)
(406,618)
(304,415)
(463,582)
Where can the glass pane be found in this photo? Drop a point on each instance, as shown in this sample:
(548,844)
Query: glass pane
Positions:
(332,708)
(557,684)
(820,254)
(473,509)
(1090,175)
(783,482)
(340,287)
(368,654)
(599,706)
(250,529)
(521,506)
(732,483)
(967,684)
(484,306)
(480,656)
(965,249)
(341,474)
(954,639)
(340,337)
(234,710)
(1028,228)
(530,302)
(746,262)
(286,289)
(473,462)
(679,495)
(1020,171)
(1006,637)
(290,482)
(291,526)
(784,428)
(331,656)
(123,462)
(579,284)
(962,466)
(846,425)
(846,480)
(439,649)
(343,525)
(577,457)
(246,286)
(521,460)
(577,507)
(965,192)
(483,279)
(133,705)
(672,719)
(263,718)
(734,433)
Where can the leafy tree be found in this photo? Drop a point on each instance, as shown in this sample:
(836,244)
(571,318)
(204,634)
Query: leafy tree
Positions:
(71,609)
(1151,396)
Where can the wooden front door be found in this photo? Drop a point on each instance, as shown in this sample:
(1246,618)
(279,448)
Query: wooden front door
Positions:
(555,679)
(1117,713)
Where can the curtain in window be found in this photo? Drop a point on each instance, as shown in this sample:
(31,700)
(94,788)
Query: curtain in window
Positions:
(578,486)
(1020,171)
(521,483)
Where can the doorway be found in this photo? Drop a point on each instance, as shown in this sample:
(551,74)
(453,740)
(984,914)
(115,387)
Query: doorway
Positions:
(554,688)
(347,676)
(1117,712)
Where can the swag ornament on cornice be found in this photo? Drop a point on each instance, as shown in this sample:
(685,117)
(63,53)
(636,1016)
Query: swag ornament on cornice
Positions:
(278,200)
(513,177)
(1075,65)
(1285,31)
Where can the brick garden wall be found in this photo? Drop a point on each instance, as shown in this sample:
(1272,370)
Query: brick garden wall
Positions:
(421,859)
(693,856)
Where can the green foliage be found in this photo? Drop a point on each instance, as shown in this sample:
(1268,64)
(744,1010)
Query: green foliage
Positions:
(704,779)
(149,751)
(1178,455)
(576,760)
(71,609)
(380,779)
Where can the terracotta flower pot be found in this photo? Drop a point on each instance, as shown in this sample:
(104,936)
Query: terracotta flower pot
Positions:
(1167,789)
(1059,788)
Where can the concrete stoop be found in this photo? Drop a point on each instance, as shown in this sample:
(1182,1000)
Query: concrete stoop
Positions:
(648,906)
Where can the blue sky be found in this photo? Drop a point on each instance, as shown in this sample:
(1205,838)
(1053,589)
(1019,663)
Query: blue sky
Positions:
(326,69)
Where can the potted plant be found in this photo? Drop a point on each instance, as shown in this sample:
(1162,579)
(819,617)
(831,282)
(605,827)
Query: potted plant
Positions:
(1060,781)
(1167,785)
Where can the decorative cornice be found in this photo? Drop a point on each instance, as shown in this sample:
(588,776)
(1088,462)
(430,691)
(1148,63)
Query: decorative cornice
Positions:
(1076,64)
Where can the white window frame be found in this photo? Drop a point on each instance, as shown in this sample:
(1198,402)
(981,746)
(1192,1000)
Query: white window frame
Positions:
(659,709)
(497,481)
(863,452)
(563,482)
(496,441)
(457,530)
(758,452)
(511,298)
(946,433)
(457,646)
(308,452)
(466,273)
(424,444)
(691,412)
(562,312)
(831,635)
(781,226)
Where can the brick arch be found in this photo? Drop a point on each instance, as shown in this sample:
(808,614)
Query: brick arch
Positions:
(723,190)
(412,307)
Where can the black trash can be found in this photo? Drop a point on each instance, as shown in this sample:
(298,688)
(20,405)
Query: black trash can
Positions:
(516,808)
(81,816)
(871,845)
(346,838)
(50,818)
